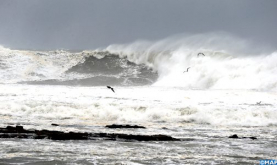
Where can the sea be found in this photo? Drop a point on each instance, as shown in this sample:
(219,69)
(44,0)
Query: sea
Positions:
(200,92)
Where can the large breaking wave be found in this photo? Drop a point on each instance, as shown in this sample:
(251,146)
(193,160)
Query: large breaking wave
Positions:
(86,68)
(229,63)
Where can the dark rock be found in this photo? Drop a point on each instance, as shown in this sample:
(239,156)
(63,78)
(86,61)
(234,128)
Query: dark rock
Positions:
(251,137)
(141,137)
(124,126)
(10,128)
(19,128)
(20,132)
(235,136)
(68,136)
(53,124)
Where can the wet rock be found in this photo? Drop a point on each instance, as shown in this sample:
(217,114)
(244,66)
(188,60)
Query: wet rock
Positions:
(124,126)
(235,136)
(251,137)
(141,137)
(16,129)
(19,128)
(20,132)
(10,128)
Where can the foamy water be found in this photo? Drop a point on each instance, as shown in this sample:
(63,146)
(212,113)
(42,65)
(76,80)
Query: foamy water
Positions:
(202,118)
(229,63)
(142,105)
(230,90)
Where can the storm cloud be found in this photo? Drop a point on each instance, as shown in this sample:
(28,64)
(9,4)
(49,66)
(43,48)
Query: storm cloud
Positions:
(89,24)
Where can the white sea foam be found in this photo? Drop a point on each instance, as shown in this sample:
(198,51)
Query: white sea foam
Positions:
(229,63)
(148,105)
(23,65)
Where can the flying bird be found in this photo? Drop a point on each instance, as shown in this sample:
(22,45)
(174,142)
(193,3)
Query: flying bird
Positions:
(187,70)
(111,88)
(200,54)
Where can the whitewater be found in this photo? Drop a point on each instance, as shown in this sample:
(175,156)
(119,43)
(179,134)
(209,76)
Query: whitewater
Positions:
(231,89)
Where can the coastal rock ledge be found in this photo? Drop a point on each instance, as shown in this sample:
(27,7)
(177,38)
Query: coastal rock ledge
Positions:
(20,132)
(113,126)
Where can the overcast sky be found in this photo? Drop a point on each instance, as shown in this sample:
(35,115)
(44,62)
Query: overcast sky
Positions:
(89,24)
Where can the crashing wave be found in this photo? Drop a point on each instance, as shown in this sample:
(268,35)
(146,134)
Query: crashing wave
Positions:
(229,63)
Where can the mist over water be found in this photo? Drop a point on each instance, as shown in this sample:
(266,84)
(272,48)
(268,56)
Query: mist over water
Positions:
(229,63)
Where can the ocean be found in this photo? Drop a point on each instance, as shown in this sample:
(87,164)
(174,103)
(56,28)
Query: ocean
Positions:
(227,90)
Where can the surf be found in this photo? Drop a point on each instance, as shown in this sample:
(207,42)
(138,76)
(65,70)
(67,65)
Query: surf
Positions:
(229,63)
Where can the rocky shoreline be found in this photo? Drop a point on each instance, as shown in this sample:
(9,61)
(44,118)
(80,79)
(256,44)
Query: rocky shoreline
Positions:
(20,132)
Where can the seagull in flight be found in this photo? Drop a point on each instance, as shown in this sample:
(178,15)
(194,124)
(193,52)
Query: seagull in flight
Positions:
(187,70)
(111,88)
(200,54)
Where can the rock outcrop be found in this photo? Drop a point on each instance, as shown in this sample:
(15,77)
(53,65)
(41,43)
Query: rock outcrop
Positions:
(124,126)
(235,136)
(20,132)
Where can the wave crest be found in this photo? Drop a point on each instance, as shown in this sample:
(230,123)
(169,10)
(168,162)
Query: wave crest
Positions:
(229,62)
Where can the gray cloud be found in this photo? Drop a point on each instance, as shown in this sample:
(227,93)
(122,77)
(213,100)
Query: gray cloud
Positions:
(88,24)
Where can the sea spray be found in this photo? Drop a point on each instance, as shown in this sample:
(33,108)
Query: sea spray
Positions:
(229,62)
